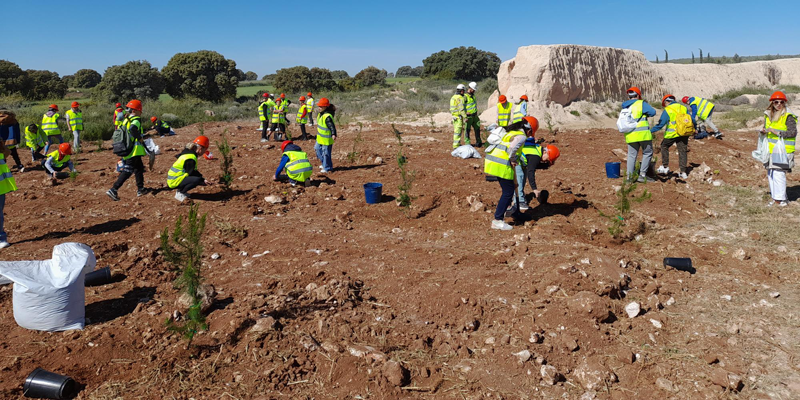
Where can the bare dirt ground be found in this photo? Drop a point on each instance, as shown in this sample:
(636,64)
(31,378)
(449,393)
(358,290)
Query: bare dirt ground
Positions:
(363,301)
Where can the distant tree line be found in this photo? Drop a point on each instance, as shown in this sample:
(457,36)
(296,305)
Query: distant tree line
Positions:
(707,58)
(208,75)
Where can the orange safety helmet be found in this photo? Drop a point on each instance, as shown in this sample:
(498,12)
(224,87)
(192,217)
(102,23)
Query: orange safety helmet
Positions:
(64,149)
(309,94)
(283,95)
(153,119)
(553,153)
(524,97)
(533,123)
(502,98)
(777,96)
(75,104)
(285,143)
(302,98)
(134,104)
(685,99)
(265,95)
(118,105)
(323,102)
(635,90)
(54,107)
(202,141)
(664,99)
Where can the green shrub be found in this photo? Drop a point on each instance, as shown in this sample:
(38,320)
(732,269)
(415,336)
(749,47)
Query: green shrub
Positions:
(575,113)
(132,80)
(41,85)
(12,78)
(226,161)
(250,76)
(206,75)
(371,76)
(466,63)
(85,78)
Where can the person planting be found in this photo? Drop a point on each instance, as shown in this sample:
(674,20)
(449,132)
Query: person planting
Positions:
(295,161)
(58,160)
(183,175)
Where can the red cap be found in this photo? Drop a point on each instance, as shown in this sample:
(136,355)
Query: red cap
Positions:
(323,102)
(635,89)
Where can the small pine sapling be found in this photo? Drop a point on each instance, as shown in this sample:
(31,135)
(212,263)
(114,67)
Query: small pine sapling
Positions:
(74,174)
(623,206)
(548,120)
(352,156)
(226,162)
(406,177)
(183,250)
(99,143)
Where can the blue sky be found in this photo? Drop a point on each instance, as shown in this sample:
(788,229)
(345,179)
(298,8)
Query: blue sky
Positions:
(264,36)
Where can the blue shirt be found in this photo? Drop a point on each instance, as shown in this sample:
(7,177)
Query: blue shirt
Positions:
(647,109)
(665,120)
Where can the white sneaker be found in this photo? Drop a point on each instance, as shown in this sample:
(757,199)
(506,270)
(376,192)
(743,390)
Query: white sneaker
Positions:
(321,167)
(783,204)
(180,196)
(4,244)
(501,225)
(263,140)
(683,175)
(662,170)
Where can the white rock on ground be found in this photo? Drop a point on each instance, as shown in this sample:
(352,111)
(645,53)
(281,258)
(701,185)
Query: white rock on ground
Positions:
(633,309)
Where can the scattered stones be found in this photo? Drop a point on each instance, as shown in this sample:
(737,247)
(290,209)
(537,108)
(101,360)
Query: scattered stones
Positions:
(395,373)
(774,295)
(665,384)
(265,324)
(590,305)
(593,375)
(274,199)
(205,292)
(477,206)
(505,339)
(728,380)
(535,338)
(569,343)
(378,160)
(522,356)
(633,309)
(361,351)
(472,325)
(552,289)
(215,256)
(670,301)
(550,374)
(656,323)
(726,297)
(490,341)
(626,356)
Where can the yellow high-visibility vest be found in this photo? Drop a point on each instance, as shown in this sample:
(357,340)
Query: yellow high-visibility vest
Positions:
(498,162)
(56,162)
(50,125)
(138,146)
(704,107)
(177,173)
(324,135)
(75,120)
(7,182)
(642,131)
(780,125)
(503,113)
(298,167)
(456,105)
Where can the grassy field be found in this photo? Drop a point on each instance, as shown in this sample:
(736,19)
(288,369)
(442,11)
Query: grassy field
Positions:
(253,90)
(404,79)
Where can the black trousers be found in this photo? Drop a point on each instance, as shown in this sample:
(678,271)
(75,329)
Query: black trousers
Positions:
(189,183)
(15,155)
(131,166)
(265,130)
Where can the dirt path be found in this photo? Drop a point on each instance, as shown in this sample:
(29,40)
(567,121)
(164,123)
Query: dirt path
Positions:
(362,301)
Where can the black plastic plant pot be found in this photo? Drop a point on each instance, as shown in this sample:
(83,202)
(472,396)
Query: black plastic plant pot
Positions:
(98,277)
(681,264)
(42,384)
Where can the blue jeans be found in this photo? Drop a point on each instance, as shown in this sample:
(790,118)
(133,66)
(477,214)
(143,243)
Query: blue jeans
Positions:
(51,139)
(520,175)
(3,236)
(505,199)
(324,156)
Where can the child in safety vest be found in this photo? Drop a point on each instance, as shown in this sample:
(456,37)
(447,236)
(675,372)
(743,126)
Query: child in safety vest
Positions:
(279,118)
(74,118)
(34,139)
(50,127)
(184,175)
(303,114)
(161,127)
(7,185)
(58,160)
(326,134)
(295,161)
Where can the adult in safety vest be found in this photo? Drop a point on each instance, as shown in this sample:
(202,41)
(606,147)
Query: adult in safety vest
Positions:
(310,103)
(50,127)
(669,120)
(701,113)
(132,163)
(74,118)
(503,111)
(302,117)
(473,121)
(501,161)
(56,161)
(326,134)
(640,137)
(534,156)
(295,161)
(265,116)
(780,128)
(35,140)
(7,184)
(183,175)
(459,114)
(520,110)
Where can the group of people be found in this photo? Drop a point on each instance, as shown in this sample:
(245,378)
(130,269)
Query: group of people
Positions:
(272,115)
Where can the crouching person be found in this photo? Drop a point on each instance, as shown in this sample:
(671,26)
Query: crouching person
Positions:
(295,161)
(184,175)
(58,160)
(34,139)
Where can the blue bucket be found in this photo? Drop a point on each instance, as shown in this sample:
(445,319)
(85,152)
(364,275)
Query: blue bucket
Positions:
(373,192)
(612,170)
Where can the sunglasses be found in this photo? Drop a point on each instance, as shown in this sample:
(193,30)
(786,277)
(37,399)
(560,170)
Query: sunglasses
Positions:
(778,102)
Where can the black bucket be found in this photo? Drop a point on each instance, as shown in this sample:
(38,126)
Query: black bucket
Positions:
(44,384)
(98,277)
(681,264)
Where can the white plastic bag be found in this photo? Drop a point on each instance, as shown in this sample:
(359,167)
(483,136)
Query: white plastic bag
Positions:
(49,295)
(152,147)
(761,153)
(779,157)
(625,122)
(465,151)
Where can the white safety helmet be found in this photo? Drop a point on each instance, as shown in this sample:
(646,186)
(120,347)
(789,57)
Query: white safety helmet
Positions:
(473,85)
(460,87)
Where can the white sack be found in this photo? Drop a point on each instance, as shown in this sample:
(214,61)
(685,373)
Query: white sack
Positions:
(465,151)
(49,295)
(152,147)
